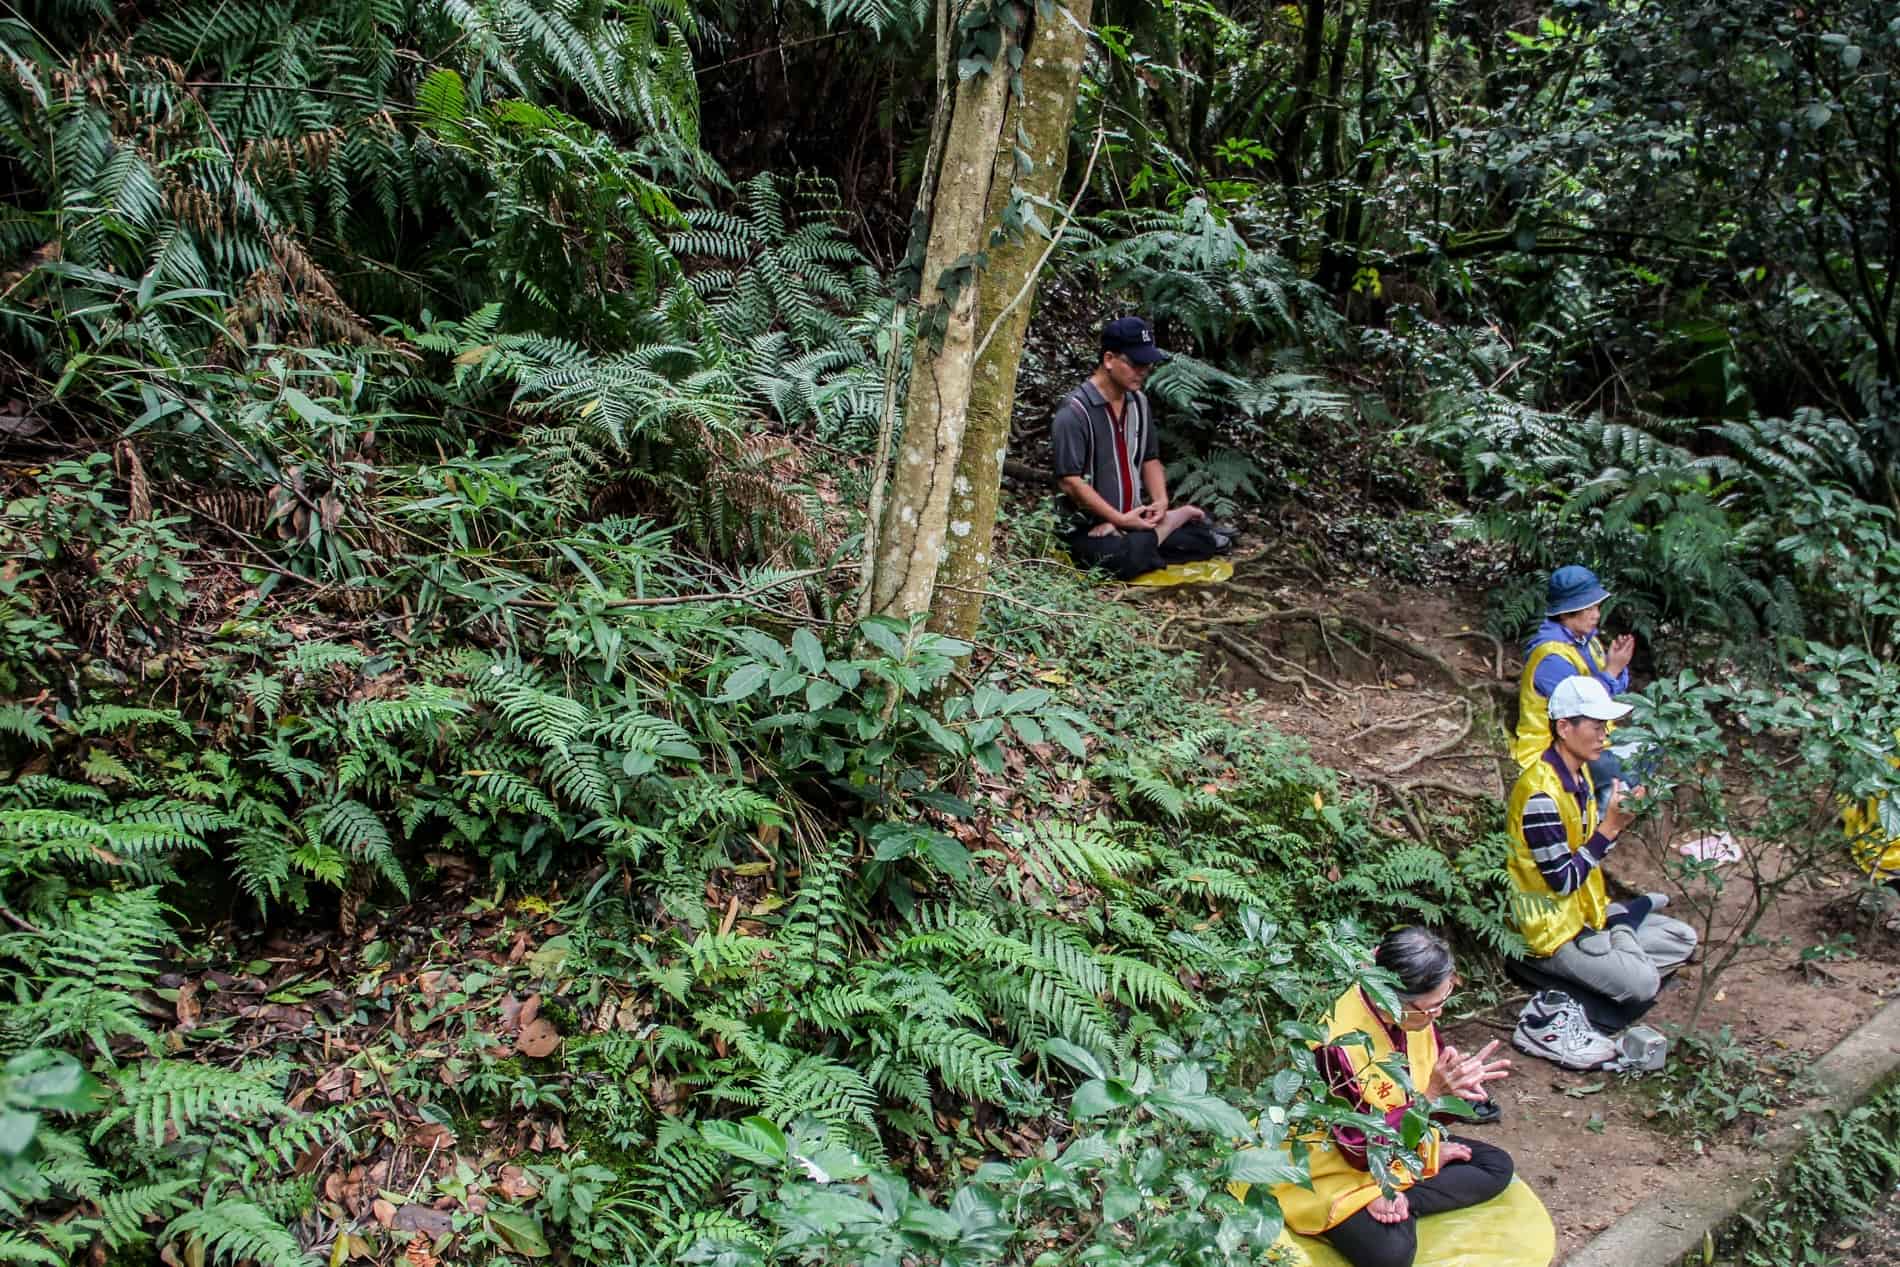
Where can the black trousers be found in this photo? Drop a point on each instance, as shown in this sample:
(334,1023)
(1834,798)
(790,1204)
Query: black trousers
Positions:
(1129,554)
(1365,1242)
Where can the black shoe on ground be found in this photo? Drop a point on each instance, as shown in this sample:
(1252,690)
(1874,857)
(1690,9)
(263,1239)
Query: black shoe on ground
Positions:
(1483,1113)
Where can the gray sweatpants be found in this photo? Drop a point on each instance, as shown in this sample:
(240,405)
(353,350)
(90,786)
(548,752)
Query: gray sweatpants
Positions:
(1623,963)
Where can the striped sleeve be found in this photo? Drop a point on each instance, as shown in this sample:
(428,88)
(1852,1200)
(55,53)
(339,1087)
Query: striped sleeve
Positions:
(1563,869)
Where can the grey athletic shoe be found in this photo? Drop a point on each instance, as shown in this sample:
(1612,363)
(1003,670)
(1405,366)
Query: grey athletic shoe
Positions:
(1553,1027)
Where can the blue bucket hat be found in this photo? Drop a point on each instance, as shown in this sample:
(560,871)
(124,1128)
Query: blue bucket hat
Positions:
(1572,589)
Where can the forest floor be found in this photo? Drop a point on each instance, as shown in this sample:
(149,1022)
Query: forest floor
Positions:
(1876,1242)
(455,975)
(1419,731)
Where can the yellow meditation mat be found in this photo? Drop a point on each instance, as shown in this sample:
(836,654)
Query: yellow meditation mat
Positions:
(1202,572)
(1512,1229)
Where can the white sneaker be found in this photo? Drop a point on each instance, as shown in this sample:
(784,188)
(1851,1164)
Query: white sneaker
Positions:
(1554,1028)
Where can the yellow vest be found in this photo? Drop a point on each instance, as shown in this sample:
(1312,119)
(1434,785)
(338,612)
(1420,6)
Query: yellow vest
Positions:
(1533,710)
(1548,919)
(1341,1189)
(1877,854)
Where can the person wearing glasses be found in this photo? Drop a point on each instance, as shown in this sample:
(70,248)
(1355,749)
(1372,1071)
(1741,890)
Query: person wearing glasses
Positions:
(1618,950)
(1398,1067)
(1108,466)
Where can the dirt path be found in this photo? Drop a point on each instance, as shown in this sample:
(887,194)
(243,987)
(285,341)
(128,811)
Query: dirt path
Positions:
(1420,731)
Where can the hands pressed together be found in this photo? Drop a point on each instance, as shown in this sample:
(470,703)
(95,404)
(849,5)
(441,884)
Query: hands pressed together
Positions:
(1616,815)
(1465,1076)
(1618,657)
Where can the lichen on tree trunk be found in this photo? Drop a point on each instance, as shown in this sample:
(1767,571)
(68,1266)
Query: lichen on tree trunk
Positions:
(912,539)
(1052,70)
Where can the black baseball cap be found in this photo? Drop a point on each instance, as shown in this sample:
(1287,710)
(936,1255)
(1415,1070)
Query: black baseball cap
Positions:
(1133,338)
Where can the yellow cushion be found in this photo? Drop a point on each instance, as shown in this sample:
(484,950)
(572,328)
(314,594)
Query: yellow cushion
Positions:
(1511,1230)
(1203,572)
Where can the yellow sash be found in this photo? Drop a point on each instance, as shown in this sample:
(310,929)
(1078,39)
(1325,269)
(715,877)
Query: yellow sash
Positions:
(1341,1189)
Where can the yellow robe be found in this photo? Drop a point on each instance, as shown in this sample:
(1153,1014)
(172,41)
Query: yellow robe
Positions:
(1341,1189)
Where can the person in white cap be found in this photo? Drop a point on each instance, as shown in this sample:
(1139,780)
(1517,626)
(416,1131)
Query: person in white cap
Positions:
(1558,843)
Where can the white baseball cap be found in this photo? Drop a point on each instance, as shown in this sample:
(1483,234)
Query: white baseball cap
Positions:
(1581,695)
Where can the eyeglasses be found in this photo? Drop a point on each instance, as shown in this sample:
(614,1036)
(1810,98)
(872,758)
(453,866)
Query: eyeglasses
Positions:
(1435,1009)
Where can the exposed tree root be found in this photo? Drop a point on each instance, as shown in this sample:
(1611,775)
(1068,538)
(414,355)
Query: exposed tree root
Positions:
(1400,723)
(1246,656)
(1437,749)
(1497,648)
(1404,646)
(1450,789)
(1318,679)
(1402,799)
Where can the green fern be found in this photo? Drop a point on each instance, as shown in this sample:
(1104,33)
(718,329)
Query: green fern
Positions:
(358,833)
(167,1098)
(28,724)
(105,719)
(83,970)
(124,1213)
(232,1230)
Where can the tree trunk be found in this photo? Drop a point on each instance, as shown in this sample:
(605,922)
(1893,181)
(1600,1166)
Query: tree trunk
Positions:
(911,542)
(1052,71)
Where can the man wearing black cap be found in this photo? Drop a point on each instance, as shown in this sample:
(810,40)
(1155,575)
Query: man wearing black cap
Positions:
(1108,464)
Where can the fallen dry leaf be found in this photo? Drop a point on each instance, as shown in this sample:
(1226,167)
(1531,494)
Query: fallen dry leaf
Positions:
(431,1135)
(513,1183)
(538,1039)
(383,1211)
(420,1218)
(188,1009)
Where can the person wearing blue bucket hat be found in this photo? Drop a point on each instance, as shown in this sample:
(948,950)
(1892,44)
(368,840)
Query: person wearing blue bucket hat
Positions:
(1566,644)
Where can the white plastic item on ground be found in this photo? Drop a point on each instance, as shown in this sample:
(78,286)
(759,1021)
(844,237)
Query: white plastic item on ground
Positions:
(1720,847)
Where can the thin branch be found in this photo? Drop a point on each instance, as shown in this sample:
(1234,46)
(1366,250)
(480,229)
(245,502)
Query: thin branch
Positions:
(767,52)
(1014,601)
(1055,239)
(299,89)
(881,464)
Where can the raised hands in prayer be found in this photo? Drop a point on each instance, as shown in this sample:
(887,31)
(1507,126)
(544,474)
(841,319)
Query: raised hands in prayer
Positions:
(1464,1076)
(1619,655)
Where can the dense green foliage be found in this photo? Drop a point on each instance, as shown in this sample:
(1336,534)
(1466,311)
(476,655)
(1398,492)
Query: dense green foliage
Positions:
(435,467)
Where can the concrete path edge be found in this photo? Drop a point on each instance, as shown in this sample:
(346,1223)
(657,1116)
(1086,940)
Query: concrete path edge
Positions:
(1660,1231)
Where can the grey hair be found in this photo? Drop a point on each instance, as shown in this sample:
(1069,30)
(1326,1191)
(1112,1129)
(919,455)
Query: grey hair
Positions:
(1417,956)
